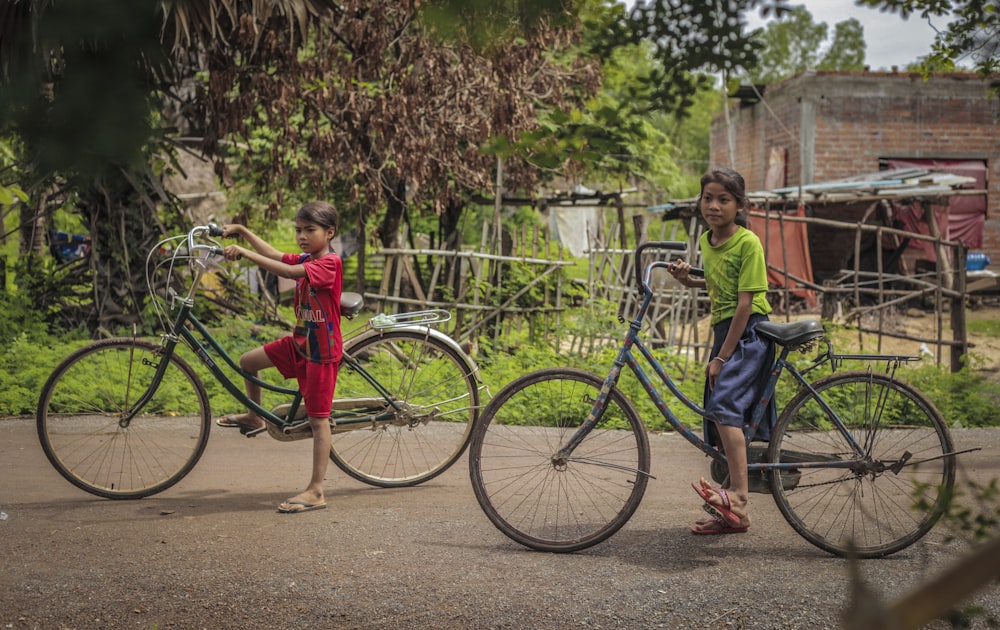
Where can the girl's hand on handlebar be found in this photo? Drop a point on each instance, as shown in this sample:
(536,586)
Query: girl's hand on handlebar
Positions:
(679,269)
(232,230)
(233,252)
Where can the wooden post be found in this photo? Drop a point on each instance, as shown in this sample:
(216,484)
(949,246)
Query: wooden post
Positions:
(881,311)
(958,329)
(828,309)
(857,270)
(784,264)
(944,265)
(359,281)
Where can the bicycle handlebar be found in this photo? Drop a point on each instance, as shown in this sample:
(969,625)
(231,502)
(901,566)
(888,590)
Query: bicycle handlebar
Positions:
(668,245)
(213,230)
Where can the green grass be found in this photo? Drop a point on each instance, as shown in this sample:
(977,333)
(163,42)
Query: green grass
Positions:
(986,327)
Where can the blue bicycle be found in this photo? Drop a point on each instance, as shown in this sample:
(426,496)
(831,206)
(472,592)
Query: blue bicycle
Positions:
(859,462)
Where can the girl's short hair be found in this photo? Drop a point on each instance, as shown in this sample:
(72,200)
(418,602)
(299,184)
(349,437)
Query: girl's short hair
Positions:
(321,213)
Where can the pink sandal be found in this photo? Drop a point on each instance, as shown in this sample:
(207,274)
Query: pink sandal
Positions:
(724,511)
(717,526)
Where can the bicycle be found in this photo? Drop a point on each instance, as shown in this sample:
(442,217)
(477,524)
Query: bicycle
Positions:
(126,418)
(559,458)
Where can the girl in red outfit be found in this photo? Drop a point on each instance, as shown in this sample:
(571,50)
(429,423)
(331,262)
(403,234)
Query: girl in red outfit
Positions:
(312,353)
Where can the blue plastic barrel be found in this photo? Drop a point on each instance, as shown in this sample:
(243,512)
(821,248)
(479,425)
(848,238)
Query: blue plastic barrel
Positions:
(976,261)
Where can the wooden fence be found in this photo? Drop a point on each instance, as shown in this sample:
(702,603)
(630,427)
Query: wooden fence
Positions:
(487,290)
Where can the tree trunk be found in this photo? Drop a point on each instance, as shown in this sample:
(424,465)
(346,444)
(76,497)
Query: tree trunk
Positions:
(449,221)
(395,196)
(32,229)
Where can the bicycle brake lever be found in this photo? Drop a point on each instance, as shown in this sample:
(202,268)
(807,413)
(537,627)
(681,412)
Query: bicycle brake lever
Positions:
(215,230)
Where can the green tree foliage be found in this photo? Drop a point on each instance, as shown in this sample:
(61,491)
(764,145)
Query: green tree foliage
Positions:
(76,82)
(971,38)
(388,107)
(657,94)
(794,43)
(10,176)
(380,101)
(78,96)
(847,51)
(384,101)
(610,139)
(688,39)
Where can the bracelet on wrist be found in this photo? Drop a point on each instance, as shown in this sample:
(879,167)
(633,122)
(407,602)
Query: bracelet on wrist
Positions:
(719,359)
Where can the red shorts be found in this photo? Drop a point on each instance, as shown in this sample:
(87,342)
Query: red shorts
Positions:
(317,381)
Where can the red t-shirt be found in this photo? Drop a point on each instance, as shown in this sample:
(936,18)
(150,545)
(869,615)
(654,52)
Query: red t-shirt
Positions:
(317,307)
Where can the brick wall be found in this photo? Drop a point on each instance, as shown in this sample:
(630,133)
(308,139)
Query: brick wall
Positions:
(836,125)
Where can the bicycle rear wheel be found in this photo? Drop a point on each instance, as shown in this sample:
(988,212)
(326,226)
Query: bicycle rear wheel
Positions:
(898,486)
(436,390)
(538,497)
(92,390)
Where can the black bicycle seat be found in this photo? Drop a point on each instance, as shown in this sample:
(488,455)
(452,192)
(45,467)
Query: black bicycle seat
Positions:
(351,304)
(791,334)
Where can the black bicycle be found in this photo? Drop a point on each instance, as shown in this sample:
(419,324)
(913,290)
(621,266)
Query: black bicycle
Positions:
(126,418)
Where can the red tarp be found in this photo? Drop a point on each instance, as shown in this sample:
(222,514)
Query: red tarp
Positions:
(786,246)
(964,217)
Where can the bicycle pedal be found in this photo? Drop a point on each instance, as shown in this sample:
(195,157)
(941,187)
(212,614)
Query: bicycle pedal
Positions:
(253,432)
(301,427)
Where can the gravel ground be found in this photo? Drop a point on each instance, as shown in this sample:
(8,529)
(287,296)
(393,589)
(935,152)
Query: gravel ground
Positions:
(212,553)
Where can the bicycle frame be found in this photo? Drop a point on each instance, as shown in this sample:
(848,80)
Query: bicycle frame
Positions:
(382,409)
(560,459)
(626,357)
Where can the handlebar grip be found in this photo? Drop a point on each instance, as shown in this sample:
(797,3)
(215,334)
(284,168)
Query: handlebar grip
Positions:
(671,245)
(214,230)
(697,272)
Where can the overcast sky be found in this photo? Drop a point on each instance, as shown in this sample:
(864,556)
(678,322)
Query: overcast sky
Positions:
(891,40)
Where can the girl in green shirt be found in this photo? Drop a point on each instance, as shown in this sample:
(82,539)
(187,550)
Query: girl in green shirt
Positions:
(736,280)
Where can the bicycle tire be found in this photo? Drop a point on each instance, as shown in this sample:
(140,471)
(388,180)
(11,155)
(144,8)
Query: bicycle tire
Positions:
(842,510)
(437,389)
(545,502)
(88,392)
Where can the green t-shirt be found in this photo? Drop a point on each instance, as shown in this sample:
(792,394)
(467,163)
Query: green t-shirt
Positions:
(737,266)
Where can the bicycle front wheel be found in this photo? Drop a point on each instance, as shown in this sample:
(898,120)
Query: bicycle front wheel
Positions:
(435,391)
(81,419)
(540,496)
(900,478)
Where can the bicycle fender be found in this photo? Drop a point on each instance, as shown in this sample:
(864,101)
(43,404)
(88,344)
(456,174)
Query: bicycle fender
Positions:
(470,363)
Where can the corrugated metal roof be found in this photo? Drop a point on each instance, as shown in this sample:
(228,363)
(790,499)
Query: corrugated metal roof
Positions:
(902,182)
(905,183)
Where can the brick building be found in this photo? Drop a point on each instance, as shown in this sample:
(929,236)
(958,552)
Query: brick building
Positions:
(823,126)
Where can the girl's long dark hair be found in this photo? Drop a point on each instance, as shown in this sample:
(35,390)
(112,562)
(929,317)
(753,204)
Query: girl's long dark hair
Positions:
(734,184)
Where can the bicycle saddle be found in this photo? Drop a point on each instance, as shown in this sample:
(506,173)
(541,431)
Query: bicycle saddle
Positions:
(351,304)
(791,334)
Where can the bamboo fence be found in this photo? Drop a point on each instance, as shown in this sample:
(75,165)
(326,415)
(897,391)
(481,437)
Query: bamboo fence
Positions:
(473,284)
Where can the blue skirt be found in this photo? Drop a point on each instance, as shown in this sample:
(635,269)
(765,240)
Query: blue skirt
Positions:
(740,383)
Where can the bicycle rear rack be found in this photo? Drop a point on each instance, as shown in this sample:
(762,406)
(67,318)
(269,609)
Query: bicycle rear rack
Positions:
(421,318)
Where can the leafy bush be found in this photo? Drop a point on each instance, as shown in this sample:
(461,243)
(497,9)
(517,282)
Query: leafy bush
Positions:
(20,318)
(965,398)
(25,365)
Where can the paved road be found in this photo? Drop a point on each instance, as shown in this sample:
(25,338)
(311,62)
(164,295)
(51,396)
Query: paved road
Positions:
(212,553)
